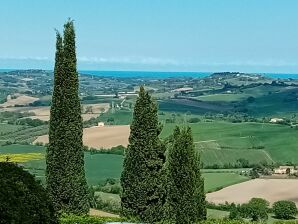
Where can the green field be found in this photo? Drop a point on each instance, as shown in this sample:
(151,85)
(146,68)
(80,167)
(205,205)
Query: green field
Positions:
(102,166)
(228,97)
(216,181)
(223,142)
(118,117)
(21,133)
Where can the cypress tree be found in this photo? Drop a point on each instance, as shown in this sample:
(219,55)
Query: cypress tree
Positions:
(142,177)
(65,174)
(200,196)
(185,200)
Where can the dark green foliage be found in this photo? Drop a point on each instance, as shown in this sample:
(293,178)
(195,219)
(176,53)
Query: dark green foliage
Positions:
(200,197)
(65,173)
(71,219)
(31,122)
(256,209)
(116,150)
(235,212)
(284,209)
(185,201)
(194,120)
(22,198)
(141,179)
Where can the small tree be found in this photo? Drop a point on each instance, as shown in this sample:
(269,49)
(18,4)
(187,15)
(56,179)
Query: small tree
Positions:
(256,209)
(22,198)
(284,209)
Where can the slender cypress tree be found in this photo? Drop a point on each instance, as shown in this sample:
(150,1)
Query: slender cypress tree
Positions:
(65,172)
(142,177)
(185,201)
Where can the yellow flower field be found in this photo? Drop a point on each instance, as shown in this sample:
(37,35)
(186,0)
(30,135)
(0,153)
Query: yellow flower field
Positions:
(21,157)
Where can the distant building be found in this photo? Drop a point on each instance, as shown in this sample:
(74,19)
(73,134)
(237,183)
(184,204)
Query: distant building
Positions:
(285,170)
(276,120)
(100,124)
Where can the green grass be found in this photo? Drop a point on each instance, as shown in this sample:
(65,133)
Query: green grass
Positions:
(101,166)
(16,149)
(216,181)
(98,167)
(226,156)
(119,117)
(216,214)
(228,97)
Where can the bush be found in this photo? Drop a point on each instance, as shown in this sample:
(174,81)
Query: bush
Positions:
(256,209)
(284,209)
(194,120)
(23,199)
(71,219)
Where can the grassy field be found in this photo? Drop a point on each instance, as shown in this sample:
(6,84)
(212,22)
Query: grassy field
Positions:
(216,181)
(223,142)
(22,133)
(118,117)
(226,156)
(101,166)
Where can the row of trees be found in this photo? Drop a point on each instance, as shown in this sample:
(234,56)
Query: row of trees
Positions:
(160,180)
(257,209)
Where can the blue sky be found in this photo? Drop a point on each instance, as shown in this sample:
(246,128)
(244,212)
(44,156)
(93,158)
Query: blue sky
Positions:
(162,35)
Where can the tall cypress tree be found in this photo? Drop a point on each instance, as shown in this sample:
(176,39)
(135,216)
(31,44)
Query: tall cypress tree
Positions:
(185,201)
(142,177)
(65,172)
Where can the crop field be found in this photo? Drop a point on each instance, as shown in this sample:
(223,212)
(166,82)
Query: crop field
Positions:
(269,189)
(7,128)
(226,156)
(101,137)
(195,107)
(117,117)
(277,142)
(19,100)
(43,112)
(22,134)
(255,92)
(219,142)
(102,166)
(216,181)
(21,157)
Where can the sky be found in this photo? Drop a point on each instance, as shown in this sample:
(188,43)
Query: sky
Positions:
(154,35)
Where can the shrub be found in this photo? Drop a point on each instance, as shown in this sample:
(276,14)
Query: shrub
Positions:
(23,199)
(71,219)
(194,120)
(256,209)
(284,209)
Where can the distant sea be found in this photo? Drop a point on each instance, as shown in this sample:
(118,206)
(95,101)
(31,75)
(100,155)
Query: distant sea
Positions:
(154,74)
